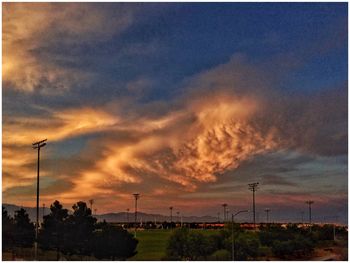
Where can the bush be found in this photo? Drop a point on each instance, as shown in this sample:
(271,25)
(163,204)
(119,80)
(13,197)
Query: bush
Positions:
(190,245)
(220,255)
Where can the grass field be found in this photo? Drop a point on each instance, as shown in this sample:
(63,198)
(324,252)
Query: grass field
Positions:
(152,244)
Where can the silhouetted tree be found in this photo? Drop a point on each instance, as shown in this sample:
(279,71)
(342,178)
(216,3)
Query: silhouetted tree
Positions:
(79,230)
(7,230)
(113,243)
(24,231)
(52,234)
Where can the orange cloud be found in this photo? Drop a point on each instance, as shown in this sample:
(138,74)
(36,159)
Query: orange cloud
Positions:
(30,28)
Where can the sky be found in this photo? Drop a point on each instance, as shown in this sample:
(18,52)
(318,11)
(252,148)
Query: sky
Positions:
(184,103)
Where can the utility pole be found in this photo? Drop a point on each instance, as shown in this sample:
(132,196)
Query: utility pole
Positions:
(37,145)
(253,187)
(178,215)
(224,206)
(267,210)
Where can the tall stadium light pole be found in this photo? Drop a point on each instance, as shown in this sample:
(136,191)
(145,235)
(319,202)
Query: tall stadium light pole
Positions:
(233,241)
(37,145)
(136,196)
(309,203)
(224,206)
(253,187)
(267,210)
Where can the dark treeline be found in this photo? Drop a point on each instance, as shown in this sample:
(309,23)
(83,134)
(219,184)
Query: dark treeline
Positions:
(76,233)
(269,241)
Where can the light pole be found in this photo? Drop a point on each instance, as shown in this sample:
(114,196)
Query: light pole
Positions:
(267,210)
(309,203)
(136,196)
(233,241)
(37,145)
(253,187)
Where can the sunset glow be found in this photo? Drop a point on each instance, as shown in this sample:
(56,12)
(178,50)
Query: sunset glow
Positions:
(129,105)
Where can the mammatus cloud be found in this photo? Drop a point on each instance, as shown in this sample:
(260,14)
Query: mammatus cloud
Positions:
(33,34)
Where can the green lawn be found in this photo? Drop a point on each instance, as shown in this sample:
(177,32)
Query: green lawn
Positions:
(152,244)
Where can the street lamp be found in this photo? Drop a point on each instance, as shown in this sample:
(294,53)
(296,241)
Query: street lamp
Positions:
(233,241)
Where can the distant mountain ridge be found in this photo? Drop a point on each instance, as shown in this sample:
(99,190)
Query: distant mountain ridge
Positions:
(115,216)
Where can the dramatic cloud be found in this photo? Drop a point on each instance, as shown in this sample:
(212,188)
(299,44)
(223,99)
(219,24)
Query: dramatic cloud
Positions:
(210,132)
(39,38)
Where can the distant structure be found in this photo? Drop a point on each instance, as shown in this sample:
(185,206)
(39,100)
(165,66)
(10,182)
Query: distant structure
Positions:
(309,203)
(253,187)
(95,211)
(218,217)
(225,213)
